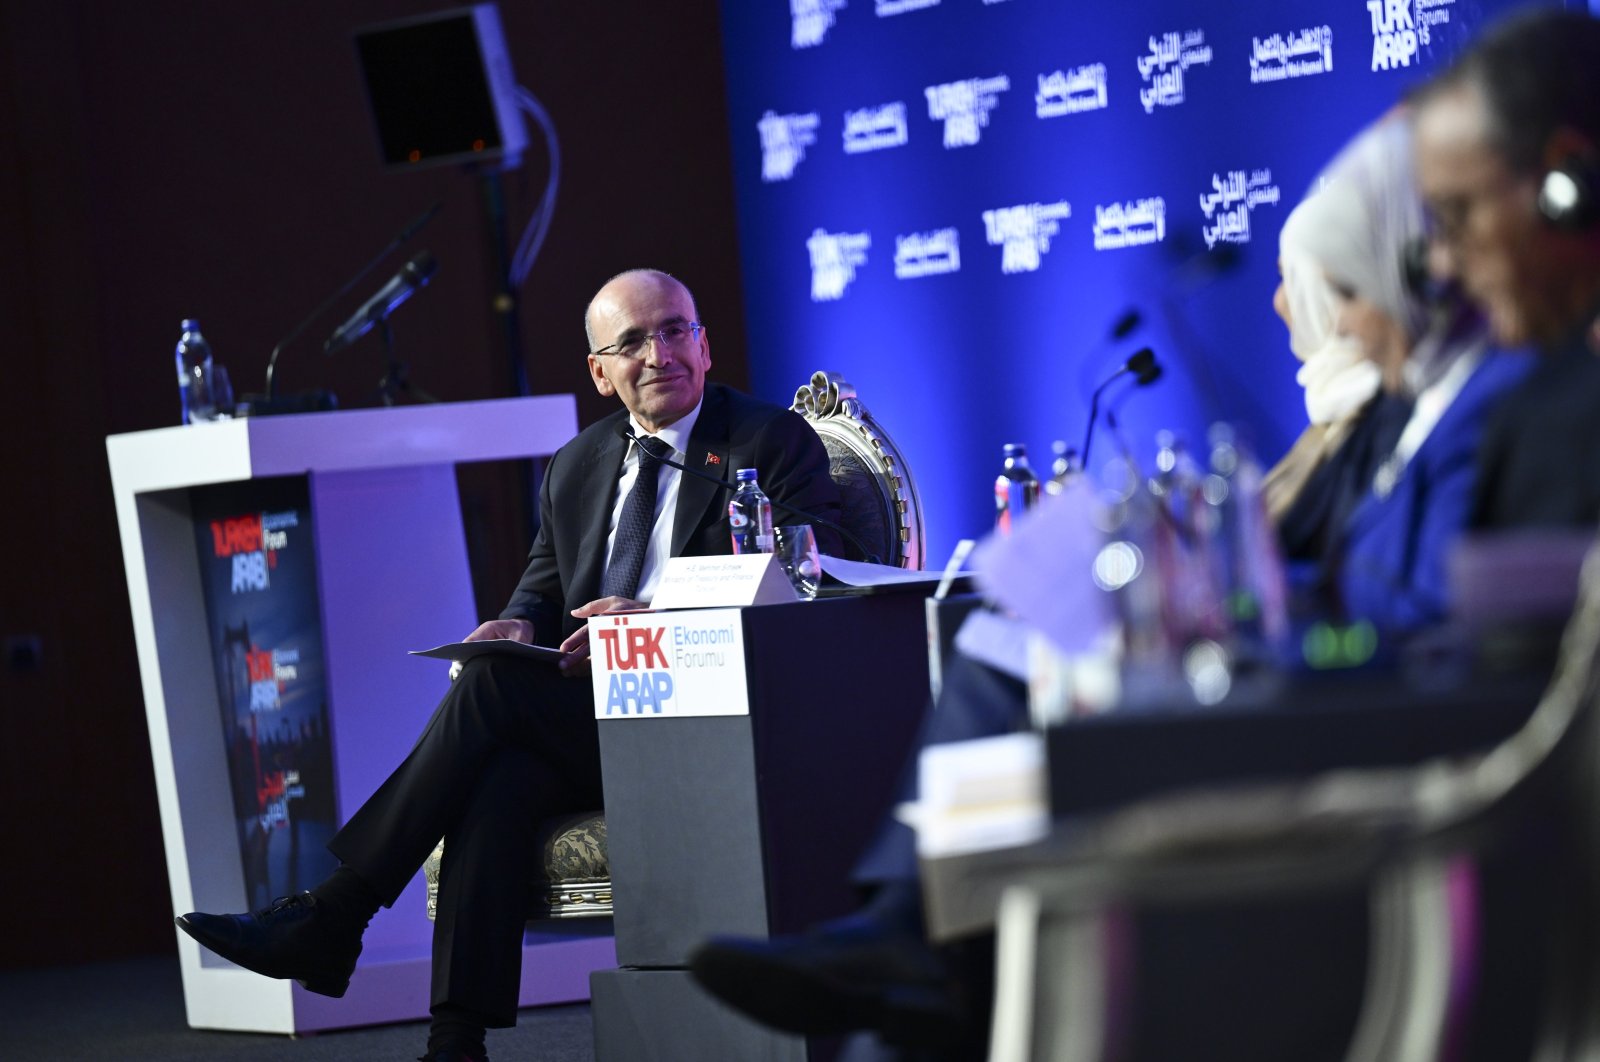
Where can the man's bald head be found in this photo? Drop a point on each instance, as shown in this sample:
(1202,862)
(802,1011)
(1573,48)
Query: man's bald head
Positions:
(646,346)
(639,275)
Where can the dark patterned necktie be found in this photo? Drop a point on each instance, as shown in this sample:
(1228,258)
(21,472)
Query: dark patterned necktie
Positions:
(634,526)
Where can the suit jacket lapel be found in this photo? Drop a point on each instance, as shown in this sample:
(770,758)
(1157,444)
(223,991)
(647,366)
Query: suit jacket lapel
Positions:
(699,500)
(601,471)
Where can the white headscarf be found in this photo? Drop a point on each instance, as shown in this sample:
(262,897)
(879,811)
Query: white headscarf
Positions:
(1352,230)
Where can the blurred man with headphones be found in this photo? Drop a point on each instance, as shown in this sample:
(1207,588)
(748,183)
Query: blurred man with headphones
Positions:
(1508,159)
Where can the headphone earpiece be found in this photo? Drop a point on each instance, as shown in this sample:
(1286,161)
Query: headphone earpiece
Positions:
(1414,269)
(1568,195)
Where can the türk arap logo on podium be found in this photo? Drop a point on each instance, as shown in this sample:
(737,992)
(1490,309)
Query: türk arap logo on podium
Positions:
(652,664)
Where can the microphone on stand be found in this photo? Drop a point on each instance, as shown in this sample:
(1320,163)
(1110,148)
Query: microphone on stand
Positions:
(413,276)
(401,237)
(1145,371)
(625,431)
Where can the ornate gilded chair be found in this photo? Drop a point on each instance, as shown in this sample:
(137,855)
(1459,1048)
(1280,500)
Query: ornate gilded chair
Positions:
(577,876)
(881,505)
(881,508)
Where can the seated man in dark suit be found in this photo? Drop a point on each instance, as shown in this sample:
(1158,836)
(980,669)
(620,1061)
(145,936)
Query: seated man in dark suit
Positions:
(1508,160)
(513,742)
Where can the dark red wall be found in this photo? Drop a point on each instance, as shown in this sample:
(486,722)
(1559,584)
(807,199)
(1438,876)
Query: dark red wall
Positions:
(169,159)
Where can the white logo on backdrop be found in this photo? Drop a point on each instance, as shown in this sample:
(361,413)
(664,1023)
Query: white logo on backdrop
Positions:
(1130,224)
(875,128)
(1281,57)
(1394,34)
(812,21)
(1162,70)
(1070,92)
(926,254)
(1431,13)
(900,7)
(1231,201)
(784,139)
(834,259)
(964,106)
(1024,232)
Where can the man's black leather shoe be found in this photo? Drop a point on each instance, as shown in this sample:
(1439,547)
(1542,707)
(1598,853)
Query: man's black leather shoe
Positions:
(293,938)
(844,977)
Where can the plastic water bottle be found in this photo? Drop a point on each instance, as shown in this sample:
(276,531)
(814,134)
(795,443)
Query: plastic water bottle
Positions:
(194,370)
(1016,489)
(1064,469)
(750,515)
(1252,568)
(1186,557)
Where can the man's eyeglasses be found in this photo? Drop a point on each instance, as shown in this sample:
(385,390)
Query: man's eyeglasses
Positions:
(675,337)
(1449,220)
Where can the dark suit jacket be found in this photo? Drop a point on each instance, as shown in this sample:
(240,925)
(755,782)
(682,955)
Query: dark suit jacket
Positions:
(733,431)
(1392,564)
(1539,465)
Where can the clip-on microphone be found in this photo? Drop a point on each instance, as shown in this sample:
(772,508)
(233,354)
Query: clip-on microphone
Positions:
(626,432)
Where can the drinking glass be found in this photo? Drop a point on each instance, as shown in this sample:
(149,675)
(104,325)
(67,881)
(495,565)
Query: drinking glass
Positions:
(797,554)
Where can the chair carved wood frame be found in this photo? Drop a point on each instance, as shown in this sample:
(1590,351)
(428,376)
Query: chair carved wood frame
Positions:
(881,504)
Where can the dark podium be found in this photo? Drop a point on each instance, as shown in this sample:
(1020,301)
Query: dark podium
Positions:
(750,824)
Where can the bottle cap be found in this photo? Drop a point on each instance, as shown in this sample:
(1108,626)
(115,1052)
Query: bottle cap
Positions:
(745,475)
(1015,450)
(191,325)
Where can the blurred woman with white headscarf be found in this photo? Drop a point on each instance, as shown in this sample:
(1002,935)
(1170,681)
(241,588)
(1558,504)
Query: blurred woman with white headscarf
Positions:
(1397,382)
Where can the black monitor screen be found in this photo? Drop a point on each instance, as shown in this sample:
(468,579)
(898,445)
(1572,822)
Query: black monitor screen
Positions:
(429,91)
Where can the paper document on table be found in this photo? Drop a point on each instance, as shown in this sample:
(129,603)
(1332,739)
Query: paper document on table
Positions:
(861,573)
(468,650)
(1044,570)
(979,795)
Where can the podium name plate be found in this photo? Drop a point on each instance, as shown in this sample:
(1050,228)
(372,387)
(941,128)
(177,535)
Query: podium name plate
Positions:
(676,663)
(723,582)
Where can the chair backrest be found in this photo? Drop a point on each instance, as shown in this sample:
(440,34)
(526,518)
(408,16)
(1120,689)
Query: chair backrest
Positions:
(881,505)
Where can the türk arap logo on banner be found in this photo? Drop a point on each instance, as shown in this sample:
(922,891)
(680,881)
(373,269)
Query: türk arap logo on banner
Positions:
(668,663)
(253,542)
(812,19)
(784,139)
(1394,34)
(1402,28)
(835,257)
(1024,232)
(964,106)
(270,670)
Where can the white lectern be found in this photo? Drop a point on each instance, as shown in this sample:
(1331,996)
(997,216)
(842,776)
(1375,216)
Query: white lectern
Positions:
(391,575)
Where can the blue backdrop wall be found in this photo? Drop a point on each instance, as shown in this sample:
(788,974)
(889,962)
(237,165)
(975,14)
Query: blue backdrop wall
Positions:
(954,203)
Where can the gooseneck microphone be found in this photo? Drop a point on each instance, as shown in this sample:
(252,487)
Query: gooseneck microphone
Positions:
(1145,371)
(401,237)
(625,431)
(413,276)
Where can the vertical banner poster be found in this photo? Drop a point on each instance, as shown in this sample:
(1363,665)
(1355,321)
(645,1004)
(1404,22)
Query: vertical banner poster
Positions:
(258,571)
